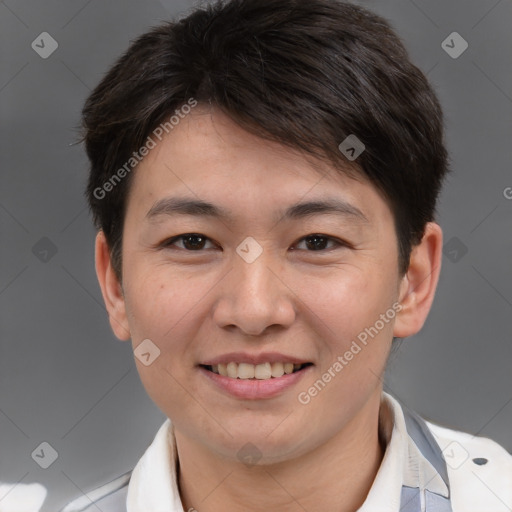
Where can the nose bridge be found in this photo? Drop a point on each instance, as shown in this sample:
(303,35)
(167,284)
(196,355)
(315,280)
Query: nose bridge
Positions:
(255,279)
(252,263)
(254,297)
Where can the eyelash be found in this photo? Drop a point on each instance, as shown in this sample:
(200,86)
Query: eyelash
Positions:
(167,244)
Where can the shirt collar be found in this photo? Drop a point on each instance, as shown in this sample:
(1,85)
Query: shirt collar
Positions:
(412,476)
(153,483)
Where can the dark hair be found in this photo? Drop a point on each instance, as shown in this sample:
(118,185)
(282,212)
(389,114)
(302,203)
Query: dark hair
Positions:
(304,73)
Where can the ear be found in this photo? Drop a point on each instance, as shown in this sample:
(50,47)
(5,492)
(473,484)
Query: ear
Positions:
(419,284)
(111,289)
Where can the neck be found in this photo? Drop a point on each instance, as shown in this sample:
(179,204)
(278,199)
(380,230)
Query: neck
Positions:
(337,475)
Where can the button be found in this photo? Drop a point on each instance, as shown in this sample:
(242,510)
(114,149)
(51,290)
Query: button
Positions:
(480,461)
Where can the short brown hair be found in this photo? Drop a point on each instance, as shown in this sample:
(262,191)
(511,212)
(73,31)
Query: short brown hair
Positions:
(304,73)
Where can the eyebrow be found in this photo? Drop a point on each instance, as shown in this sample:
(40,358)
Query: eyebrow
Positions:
(170,206)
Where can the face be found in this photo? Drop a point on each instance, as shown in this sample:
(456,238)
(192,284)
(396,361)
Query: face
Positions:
(264,281)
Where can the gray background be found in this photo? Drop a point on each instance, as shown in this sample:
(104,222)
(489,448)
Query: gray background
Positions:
(64,377)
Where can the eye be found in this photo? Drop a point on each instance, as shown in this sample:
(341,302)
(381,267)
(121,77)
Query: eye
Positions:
(317,242)
(195,242)
(191,241)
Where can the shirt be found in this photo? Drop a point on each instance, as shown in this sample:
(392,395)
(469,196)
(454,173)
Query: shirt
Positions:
(18,497)
(425,468)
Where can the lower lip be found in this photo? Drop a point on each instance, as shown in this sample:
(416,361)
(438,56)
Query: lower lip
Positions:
(255,389)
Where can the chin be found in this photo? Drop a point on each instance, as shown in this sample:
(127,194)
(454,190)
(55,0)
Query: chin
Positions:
(262,445)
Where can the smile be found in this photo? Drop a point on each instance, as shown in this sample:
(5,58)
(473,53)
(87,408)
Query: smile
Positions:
(247,371)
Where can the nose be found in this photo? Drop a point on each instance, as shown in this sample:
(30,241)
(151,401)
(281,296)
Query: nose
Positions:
(254,298)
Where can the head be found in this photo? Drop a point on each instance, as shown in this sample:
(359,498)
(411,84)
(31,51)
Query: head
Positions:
(249,108)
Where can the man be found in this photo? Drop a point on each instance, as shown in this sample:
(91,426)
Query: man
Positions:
(264,176)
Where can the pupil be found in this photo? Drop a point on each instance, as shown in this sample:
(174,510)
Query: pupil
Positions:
(194,245)
(316,245)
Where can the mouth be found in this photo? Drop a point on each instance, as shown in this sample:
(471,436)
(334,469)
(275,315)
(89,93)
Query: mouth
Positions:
(247,371)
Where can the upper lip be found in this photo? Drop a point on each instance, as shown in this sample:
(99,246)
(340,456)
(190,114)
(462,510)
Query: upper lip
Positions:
(245,357)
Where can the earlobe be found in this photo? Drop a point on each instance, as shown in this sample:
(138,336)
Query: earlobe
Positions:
(111,289)
(418,286)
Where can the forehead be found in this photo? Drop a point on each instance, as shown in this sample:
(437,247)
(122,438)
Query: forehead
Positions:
(208,156)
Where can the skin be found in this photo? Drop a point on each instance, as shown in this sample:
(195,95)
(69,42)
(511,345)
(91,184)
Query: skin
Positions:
(197,304)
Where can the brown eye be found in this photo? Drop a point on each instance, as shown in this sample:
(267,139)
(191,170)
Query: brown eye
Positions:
(318,242)
(190,241)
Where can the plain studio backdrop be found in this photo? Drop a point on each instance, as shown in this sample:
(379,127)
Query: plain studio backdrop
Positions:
(66,380)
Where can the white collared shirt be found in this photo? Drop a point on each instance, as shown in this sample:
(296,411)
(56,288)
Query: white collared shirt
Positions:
(425,468)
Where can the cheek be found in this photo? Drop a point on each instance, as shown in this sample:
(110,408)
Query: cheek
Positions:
(344,303)
(159,300)
(342,311)
(355,342)
(160,307)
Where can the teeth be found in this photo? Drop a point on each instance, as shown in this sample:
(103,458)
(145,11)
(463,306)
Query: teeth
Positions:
(232,370)
(262,371)
(246,371)
(277,369)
